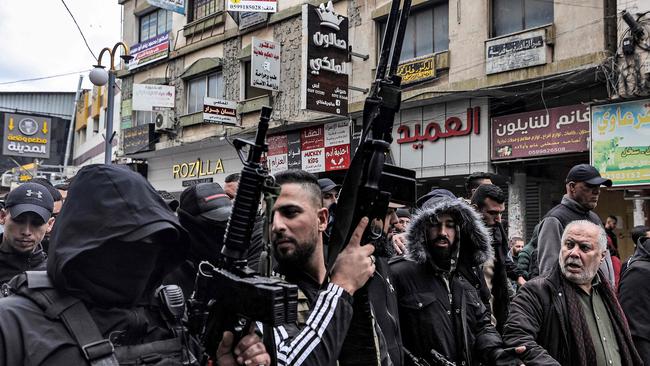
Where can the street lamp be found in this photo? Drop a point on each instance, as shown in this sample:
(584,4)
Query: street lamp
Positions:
(99,76)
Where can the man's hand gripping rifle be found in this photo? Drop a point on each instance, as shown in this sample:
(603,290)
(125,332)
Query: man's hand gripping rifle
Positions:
(234,294)
(361,194)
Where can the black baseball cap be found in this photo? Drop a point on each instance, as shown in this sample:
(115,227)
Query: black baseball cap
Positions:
(327,184)
(30,197)
(208,200)
(588,174)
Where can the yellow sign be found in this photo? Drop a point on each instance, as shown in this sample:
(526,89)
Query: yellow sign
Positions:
(417,70)
(24,178)
(198,168)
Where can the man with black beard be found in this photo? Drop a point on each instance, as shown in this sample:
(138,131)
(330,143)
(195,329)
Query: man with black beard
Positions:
(97,302)
(441,313)
(325,302)
(570,316)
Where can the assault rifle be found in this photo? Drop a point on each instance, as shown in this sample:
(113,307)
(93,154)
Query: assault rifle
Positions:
(233,295)
(361,194)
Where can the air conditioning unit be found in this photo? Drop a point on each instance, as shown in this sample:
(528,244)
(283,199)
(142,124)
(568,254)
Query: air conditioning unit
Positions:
(164,120)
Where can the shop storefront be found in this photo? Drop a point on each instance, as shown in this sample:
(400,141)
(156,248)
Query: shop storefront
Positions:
(443,143)
(176,168)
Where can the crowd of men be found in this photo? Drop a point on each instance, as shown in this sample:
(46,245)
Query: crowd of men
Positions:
(90,272)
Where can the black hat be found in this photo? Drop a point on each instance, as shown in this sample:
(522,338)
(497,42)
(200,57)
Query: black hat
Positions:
(429,199)
(30,197)
(207,200)
(403,212)
(169,199)
(327,184)
(588,174)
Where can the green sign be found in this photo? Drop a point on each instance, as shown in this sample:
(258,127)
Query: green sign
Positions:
(620,142)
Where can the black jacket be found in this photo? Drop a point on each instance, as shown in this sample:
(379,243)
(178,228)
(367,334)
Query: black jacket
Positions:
(539,320)
(13,263)
(634,296)
(504,268)
(317,339)
(105,203)
(443,311)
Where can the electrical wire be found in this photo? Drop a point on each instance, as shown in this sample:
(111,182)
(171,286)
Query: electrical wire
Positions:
(79,28)
(43,77)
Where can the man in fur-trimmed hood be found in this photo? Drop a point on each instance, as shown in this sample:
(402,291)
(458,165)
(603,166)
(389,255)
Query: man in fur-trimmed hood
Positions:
(441,312)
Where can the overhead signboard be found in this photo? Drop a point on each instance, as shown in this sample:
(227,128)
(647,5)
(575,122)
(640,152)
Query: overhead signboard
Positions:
(515,52)
(325,68)
(150,97)
(219,111)
(315,149)
(177,6)
(249,19)
(620,142)
(544,132)
(26,136)
(151,50)
(265,64)
(138,139)
(417,70)
(263,6)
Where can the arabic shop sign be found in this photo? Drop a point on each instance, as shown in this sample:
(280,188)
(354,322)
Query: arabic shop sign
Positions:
(314,149)
(138,139)
(515,52)
(263,6)
(265,64)
(441,139)
(150,97)
(151,50)
(454,126)
(248,19)
(197,169)
(27,136)
(620,142)
(193,182)
(325,70)
(177,6)
(417,70)
(557,131)
(219,111)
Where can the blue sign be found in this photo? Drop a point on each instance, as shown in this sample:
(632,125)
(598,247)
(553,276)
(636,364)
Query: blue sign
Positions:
(177,6)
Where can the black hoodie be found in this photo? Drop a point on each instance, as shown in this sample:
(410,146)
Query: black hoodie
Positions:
(634,296)
(97,255)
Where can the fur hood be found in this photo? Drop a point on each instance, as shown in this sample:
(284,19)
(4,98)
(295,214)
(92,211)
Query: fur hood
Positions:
(475,240)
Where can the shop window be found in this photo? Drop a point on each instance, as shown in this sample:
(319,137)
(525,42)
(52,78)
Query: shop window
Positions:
(210,85)
(143,117)
(202,8)
(251,91)
(509,16)
(155,23)
(427,32)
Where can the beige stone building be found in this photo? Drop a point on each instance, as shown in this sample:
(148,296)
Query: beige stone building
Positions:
(488,86)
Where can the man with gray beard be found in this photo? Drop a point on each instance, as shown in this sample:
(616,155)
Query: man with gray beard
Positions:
(570,316)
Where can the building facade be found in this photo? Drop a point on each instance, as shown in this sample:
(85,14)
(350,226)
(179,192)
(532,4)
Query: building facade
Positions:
(501,85)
